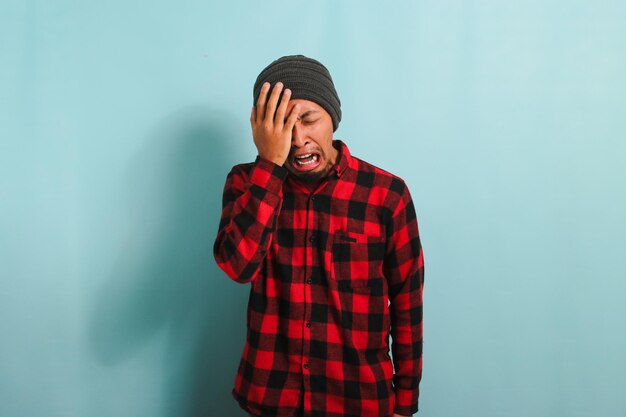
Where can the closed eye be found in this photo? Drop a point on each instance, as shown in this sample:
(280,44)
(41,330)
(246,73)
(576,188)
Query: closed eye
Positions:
(307,117)
(304,121)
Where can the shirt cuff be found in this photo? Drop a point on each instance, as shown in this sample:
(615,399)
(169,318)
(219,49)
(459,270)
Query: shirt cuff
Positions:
(405,405)
(268,175)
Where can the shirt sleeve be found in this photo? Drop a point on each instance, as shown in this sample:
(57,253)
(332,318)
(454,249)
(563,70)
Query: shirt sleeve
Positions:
(404,270)
(250,206)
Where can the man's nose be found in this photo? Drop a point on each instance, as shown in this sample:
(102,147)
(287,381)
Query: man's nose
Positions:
(298,138)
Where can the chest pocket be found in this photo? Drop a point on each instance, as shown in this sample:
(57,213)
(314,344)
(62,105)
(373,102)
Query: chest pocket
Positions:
(357,259)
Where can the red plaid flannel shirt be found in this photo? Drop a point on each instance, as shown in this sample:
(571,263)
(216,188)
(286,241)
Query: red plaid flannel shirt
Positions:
(334,272)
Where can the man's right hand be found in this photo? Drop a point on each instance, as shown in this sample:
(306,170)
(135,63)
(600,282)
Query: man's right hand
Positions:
(270,130)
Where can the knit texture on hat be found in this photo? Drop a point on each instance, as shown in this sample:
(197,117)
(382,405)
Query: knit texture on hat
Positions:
(307,79)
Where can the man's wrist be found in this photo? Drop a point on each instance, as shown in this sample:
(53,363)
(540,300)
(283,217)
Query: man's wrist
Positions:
(276,160)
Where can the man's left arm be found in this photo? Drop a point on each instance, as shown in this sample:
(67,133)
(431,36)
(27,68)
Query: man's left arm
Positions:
(404,271)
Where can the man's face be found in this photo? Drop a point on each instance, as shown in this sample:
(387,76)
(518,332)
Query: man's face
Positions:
(312,153)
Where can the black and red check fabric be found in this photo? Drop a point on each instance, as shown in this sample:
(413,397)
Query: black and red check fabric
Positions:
(334,272)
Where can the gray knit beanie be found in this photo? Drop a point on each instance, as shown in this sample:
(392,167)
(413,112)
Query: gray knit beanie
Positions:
(307,79)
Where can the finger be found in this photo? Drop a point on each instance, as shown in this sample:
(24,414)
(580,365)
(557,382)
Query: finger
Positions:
(260,104)
(279,119)
(293,118)
(253,115)
(272,102)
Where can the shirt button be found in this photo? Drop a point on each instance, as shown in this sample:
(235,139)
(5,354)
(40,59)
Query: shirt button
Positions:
(306,365)
(308,281)
(308,324)
(312,239)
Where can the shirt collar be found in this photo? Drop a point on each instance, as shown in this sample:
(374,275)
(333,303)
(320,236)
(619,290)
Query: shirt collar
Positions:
(343,158)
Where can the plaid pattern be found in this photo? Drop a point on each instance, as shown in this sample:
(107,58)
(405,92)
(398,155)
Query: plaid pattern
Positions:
(334,272)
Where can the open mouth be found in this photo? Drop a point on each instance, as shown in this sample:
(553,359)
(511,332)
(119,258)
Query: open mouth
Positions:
(305,162)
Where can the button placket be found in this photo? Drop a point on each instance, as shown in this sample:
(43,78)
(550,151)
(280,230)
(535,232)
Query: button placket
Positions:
(312,240)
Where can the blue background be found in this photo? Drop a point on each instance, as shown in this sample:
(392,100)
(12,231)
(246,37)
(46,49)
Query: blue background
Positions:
(119,121)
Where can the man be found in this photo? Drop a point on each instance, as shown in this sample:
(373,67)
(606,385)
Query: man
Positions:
(330,246)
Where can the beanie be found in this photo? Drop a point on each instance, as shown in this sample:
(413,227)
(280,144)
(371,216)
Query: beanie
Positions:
(307,79)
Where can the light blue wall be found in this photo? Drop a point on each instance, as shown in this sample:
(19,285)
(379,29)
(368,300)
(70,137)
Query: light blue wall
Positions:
(120,119)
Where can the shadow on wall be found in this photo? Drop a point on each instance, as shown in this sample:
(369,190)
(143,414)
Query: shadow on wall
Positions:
(164,283)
